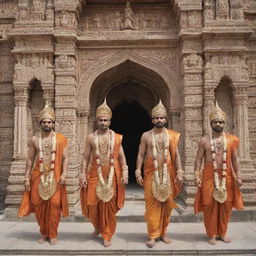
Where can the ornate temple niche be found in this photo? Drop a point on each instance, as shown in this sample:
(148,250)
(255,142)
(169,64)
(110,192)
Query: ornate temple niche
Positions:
(225,98)
(36,103)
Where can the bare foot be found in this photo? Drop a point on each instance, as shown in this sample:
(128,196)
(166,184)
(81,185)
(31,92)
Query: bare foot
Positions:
(151,243)
(225,239)
(95,233)
(107,243)
(212,241)
(166,239)
(42,240)
(53,241)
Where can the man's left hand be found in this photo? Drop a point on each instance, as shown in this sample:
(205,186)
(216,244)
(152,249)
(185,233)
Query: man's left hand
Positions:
(239,182)
(179,179)
(62,180)
(124,181)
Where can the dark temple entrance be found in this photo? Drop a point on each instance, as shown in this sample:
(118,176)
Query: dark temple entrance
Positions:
(131,120)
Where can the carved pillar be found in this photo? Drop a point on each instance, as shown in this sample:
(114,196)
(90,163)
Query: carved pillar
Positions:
(208,103)
(190,15)
(20,121)
(241,121)
(66,90)
(242,131)
(84,121)
(15,187)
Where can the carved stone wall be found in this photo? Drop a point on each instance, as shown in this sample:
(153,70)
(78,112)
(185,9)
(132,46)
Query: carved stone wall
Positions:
(72,55)
(6,117)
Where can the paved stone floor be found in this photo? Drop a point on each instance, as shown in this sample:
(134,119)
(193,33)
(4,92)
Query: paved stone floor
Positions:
(20,238)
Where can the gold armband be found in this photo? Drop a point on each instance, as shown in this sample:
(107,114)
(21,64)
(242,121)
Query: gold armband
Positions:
(137,173)
(125,171)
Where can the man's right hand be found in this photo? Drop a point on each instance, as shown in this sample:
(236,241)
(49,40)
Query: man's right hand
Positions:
(27,185)
(139,180)
(82,182)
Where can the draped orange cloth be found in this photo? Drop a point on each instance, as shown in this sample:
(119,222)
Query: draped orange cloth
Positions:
(217,215)
(158,214)
(103,215)
(47,212)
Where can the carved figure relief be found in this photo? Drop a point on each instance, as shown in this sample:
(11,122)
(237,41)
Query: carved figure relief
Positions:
(65,61)
(114,18)
(33,65)
(193,61)
(237,12)
(128,20)
(65,19)
(208,10)
(222,9)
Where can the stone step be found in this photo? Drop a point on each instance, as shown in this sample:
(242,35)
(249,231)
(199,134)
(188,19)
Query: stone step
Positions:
(19,238)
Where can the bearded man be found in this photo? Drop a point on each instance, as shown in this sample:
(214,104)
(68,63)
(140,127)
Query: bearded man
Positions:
(45,191)
(163,175)
(102,186)
(218,184)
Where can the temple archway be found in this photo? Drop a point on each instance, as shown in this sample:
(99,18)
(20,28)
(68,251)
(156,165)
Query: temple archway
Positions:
(131,90)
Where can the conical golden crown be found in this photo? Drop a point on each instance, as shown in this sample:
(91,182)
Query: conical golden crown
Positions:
(159,110)
(104,110)
(47,112)
(217,112)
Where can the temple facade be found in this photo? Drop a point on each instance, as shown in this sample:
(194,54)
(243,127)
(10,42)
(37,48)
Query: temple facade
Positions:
(74,53)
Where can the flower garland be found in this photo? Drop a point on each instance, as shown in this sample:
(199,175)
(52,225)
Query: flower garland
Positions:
(104,190)
(161,189)
(47,184)
(220,186)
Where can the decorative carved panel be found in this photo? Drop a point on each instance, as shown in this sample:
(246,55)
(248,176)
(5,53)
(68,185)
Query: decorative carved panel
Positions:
(112,18)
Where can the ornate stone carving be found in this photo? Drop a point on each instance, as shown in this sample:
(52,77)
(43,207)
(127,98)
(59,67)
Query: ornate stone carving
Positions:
(64,61)
(193,61)
(33,65)
(208,10)
(111,18)
(65,20)
(222,9)
(128,19)
(237,12)
(8,10)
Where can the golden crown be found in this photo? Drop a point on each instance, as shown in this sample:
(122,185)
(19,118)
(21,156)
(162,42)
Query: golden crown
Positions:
(159,110)
(217,112)
(46,113)
(104,110)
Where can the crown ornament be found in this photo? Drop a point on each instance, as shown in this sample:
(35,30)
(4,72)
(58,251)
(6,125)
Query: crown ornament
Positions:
(217,112)
(159,110)
(46,113)
(104,110)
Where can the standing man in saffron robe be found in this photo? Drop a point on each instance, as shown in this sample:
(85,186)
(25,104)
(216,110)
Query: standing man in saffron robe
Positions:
(163,175)
(45,190)
(218,184)
(102,186)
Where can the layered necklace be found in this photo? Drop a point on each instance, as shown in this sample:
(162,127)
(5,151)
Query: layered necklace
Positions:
(220,194)
(104,189)
(161,185)
(47,183)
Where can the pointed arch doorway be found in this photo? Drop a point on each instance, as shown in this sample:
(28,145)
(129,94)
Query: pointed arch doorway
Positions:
(131,90)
